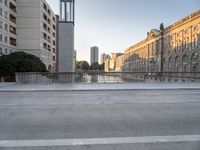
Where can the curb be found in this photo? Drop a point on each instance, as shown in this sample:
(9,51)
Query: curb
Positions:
(99,90)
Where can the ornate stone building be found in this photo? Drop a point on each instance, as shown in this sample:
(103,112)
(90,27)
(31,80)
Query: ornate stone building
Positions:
(172,49)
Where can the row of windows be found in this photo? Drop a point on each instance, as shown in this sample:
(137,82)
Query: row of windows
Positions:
(5,2)
(5,51)
(3,13)
(48,11)
(48,47)
(48,21)
(5,39)
(3,26)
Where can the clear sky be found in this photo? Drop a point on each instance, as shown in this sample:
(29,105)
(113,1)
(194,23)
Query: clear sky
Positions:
(114,25)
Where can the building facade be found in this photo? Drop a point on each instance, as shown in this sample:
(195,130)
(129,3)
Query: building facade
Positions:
(119,64)
(172,49)
(104,57)
(8,30)
(36,31)
(114,64)
(94,54)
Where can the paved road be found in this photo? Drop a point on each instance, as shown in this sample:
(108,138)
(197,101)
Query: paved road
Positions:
(100,120)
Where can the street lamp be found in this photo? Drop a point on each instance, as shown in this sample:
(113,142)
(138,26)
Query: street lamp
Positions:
(162,43)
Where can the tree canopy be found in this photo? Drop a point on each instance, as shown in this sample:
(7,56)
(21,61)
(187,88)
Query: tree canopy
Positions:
(82,65)
(97,66)
(20,62)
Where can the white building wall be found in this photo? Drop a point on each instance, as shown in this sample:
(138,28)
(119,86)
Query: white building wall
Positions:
(5,24)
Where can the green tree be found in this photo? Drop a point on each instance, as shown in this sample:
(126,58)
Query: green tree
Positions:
(20,62)
(101,67)
(94,66)
(83,65)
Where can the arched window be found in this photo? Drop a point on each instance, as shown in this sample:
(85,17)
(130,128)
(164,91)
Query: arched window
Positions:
(185,63)
(177,64)
(194,62)
(164,64)
(170,63)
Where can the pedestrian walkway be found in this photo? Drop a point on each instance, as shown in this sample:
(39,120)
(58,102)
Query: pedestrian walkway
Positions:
(97,87)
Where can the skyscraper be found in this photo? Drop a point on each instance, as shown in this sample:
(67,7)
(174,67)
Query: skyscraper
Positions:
(94,54)
(66,36)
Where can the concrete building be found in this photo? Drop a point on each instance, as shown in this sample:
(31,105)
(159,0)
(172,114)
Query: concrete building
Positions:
(107,65)
(8,30)
(116,63)
(172,49)
(36,31)
(66,36)
(94,54)
(119,64)
(104,57)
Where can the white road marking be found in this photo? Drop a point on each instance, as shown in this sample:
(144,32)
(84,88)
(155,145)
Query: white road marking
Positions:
(100,141)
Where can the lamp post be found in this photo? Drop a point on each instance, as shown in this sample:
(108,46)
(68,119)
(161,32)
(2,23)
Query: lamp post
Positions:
(162,49)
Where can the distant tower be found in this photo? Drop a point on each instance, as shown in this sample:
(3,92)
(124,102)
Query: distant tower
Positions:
(94,55)
(66,36)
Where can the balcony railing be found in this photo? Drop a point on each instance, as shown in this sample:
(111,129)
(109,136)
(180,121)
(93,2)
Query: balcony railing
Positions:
(107,77)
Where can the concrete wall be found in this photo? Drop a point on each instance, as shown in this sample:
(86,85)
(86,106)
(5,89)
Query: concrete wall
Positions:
(66,47)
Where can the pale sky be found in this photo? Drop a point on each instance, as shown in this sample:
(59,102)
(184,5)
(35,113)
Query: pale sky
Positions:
(114,25)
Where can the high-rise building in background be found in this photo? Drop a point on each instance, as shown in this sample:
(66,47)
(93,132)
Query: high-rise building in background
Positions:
(36,30)
(94,54)
(66,61)
(104,57)
(8,30)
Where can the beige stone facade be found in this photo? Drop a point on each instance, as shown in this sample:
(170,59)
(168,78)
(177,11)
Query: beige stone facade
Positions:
(175,49)
(115,63)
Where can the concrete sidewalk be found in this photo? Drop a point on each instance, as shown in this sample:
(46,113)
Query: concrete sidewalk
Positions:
(13,87)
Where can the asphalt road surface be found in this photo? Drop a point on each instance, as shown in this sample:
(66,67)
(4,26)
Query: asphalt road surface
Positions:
(100,120)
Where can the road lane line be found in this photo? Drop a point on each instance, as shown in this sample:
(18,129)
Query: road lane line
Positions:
(99,141)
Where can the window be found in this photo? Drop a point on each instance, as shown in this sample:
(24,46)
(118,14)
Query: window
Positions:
(6,3)
(1,11)
(1,51)
(6,39)
(13,41)
(6,15)
(195,43)
(1,37)
(1,24)
(6,51)
(6,27)
(12,30)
